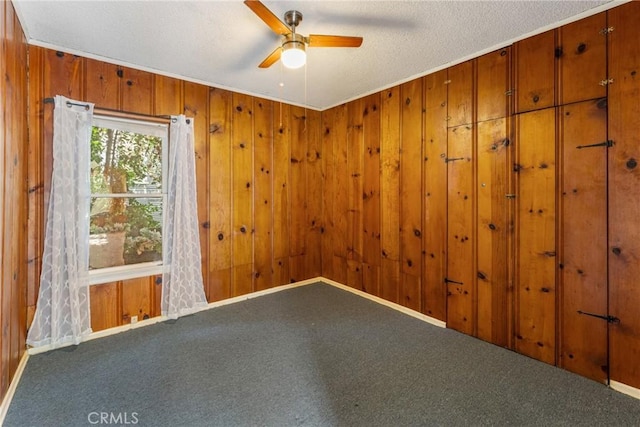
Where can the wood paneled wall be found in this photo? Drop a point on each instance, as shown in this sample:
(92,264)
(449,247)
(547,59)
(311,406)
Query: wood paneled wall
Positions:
(488,211)
(13,193)
(462,194)
(258,169)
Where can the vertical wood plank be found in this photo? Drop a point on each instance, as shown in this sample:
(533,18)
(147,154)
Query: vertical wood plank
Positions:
(35,178)
(220,208)
(494,85)
(390,193)
(534,72)
(371,186)
(339,269)
(219,284)
(460,218)
(314,184)
(137,91)
(101,84)
(297,182)
(582,62)
(156,294)
(328,191)
(281,198)
(355,170)
(535,235)
(5,209)
(390,280)
(460,94)
(168,96)
(492,231)
(583,240)
(196,106)
(461,301)
(281,274)
(20,281)
(136,298)
(354,274)
(242,279)
(297,266)
(624,188)
(263,209)
(411,192)
(105,306)
(14,201)
(341,193)
(371,279)
(434,229)
(242,184)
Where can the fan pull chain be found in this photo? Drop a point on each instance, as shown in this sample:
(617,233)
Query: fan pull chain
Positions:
(306,67)
(280,90)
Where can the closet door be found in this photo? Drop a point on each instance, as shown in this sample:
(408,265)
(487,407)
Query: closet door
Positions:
(583,239)
(624,193)
(434,234)
(460,160)
(494,216)
(460,218)
(535,309)
(493,227)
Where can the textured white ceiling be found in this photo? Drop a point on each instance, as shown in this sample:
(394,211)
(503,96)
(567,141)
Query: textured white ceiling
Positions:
(221,43)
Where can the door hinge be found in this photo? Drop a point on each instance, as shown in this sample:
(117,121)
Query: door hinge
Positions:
(608,143)
(452,281)
(452,159)
(609,319)
(605,82)
(606,31)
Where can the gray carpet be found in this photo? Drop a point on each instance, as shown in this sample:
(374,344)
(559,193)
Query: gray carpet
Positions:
(312,356)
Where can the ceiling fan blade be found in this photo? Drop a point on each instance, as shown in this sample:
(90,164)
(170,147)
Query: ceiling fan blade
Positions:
(271,59)
(268,17)
(321,40)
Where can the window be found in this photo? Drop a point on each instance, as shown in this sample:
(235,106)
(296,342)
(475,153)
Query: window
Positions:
(128,192)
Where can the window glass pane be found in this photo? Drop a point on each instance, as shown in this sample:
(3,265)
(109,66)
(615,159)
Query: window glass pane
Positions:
(125,162)
(124,231)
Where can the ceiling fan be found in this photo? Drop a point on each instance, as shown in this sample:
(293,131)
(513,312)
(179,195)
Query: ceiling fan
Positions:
(292,51)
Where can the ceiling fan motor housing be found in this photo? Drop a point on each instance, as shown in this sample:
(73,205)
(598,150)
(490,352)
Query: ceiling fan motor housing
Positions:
(293,41)
(292,18)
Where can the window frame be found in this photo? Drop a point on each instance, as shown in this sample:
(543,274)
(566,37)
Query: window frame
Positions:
(152,128)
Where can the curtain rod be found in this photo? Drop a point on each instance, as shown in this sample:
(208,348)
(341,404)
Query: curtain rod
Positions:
(117,113)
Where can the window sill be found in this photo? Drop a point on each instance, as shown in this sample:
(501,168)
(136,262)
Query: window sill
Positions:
(125,272)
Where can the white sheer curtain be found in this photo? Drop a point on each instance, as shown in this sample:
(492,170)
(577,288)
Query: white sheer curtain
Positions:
(63,314)
(182,288)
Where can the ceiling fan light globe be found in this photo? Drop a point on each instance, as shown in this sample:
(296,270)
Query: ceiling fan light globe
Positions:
(293,55)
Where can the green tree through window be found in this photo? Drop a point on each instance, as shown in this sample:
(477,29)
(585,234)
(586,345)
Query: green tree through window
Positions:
(127,189)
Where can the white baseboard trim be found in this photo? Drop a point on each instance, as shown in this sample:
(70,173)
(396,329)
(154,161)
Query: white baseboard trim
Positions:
(626,389)
(153,320)
(142,323)
(6,401)
(101,334)
(264,292)
(389,304)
